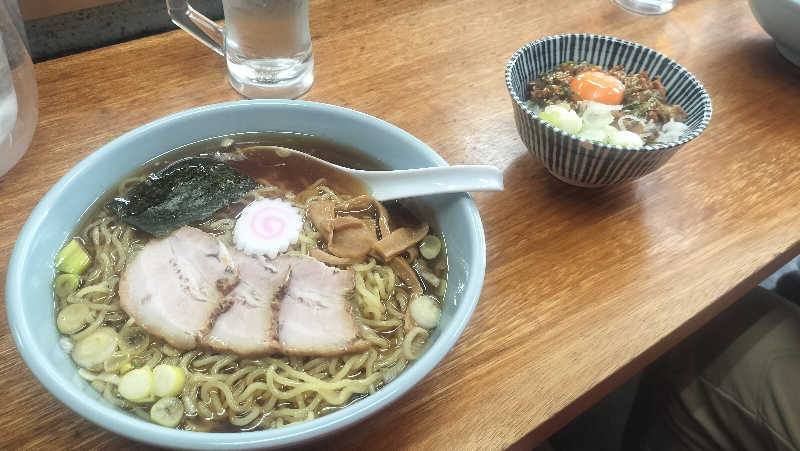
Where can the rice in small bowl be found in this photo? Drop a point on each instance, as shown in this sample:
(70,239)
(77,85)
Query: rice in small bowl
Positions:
(590,160)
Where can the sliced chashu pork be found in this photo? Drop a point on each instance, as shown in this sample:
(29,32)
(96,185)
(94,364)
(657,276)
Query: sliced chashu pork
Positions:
(289,305)
(175,286)
(249,326)
(315,316)
(189,289)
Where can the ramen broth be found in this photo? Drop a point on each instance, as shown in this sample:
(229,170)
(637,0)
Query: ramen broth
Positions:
(394,343)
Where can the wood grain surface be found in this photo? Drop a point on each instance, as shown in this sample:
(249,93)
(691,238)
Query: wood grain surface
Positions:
(583,288)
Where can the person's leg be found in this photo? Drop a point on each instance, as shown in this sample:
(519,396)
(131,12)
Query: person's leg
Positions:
(733,385)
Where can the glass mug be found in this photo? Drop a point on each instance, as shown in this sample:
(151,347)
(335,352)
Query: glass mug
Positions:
(19,109)
(266,43)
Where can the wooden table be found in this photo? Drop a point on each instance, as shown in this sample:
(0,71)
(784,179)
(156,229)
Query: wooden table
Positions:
(584,287)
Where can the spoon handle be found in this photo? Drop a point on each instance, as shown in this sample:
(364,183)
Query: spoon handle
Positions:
(388,185)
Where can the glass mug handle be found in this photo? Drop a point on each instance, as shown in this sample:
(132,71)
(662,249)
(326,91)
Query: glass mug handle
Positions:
(201,27)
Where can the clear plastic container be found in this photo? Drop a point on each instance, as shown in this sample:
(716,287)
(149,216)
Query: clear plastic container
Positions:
(18,97)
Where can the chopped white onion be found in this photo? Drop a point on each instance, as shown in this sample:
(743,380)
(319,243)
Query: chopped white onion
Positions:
(593,135)
(597,115)
(595,124)
(593,119)
(610,132)
(563,117)
(625,138)
(600,106)
(671,131)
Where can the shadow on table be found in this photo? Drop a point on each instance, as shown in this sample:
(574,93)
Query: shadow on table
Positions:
(529,176)
(763,57)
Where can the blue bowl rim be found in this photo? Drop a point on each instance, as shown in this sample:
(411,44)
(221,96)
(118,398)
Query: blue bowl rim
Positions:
(125,424)
(707,108)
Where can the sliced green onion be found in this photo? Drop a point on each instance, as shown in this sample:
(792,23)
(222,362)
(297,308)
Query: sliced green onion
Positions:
(115,362)
(430,247)
(72,318)
(167,412)
(92,351)
(73,258)
(136,385)
(133,340)
(66,284)
(168,380)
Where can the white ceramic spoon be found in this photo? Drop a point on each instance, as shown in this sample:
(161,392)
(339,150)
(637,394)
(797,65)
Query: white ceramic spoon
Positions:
(398,184)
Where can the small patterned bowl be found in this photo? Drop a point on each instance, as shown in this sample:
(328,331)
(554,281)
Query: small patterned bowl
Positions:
(588,163)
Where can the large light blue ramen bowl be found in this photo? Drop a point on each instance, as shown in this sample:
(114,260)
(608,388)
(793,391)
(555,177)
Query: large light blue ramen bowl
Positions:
(30,302)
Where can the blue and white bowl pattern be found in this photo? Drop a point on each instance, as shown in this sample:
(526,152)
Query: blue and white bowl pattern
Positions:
(588,163)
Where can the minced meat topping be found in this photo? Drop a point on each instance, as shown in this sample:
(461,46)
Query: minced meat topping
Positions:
(643,97)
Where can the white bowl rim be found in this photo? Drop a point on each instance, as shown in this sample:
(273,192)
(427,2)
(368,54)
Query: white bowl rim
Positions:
(707,108)
(125,424)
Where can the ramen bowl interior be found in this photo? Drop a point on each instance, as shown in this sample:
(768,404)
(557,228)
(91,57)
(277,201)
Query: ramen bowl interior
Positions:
(30,301)
(587,163)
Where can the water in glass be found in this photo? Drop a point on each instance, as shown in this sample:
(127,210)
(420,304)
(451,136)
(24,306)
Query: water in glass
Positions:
(268,47)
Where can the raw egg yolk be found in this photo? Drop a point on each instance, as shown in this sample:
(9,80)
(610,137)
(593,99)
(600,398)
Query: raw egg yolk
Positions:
(598,87)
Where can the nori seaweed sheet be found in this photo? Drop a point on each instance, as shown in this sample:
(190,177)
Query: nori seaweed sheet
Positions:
(185,192)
